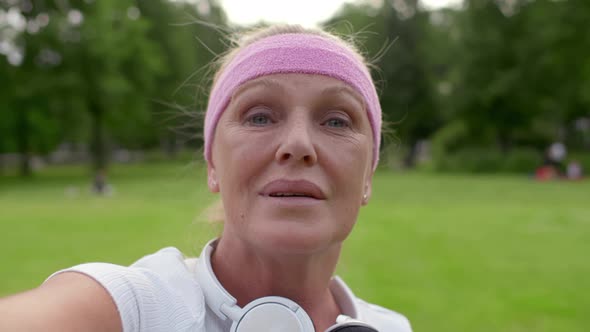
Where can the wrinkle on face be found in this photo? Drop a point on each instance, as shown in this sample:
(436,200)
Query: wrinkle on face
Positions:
(245,156)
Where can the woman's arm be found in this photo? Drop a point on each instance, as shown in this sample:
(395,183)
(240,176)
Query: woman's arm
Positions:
(69,301)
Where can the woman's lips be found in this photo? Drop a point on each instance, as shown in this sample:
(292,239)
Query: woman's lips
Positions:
(293,190)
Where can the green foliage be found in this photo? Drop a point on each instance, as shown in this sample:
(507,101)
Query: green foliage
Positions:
(520,69)
(395,48)
(583,158)
(448,139)
(100,73)
(471,160)
(124,72)
(485,160)
(507,77)
(521,160)
(452,151)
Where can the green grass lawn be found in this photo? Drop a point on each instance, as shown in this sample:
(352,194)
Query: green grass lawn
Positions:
(453,253)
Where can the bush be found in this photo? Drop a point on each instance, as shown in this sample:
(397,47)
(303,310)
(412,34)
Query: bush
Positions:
(452,151)
(522,160)
(470,160)
(487,160)
(583,158)
(445,140)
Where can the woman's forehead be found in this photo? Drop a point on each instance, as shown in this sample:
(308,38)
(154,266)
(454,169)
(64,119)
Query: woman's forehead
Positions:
(323,85)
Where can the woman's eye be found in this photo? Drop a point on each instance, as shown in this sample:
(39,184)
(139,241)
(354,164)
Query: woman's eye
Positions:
(336,123)
(259,119)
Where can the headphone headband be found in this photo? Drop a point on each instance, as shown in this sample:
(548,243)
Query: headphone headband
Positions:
(290,316)
(281,313)
(216,296)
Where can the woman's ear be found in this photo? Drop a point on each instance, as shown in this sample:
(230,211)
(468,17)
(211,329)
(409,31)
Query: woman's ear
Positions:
(212,182)
(367,192)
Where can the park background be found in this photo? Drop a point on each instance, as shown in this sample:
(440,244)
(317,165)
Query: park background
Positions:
(458,235)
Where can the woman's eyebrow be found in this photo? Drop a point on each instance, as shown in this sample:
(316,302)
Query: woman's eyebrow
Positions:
(343,90)
(265,82)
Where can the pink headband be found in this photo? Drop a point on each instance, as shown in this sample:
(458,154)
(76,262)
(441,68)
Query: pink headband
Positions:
(293,53)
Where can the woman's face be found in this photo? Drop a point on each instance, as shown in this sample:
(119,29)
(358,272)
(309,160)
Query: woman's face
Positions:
(292,157)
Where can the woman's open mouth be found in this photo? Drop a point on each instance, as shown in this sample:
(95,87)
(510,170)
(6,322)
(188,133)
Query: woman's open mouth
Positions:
(293,191)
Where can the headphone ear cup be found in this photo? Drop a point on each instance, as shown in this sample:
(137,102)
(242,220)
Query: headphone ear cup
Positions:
(273,313)
(346,324)
(352,328)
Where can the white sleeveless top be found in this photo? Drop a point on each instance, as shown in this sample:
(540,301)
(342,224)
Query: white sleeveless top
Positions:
(160,293)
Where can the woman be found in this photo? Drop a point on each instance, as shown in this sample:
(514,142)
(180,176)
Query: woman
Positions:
(292,134)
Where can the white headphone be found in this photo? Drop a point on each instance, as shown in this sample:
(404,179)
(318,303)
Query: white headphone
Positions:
(266,314)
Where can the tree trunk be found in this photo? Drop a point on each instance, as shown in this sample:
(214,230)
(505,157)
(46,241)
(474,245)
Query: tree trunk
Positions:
(504,142)
(170,145)
(98,149)
(97,144)
(410,158)
(23,142)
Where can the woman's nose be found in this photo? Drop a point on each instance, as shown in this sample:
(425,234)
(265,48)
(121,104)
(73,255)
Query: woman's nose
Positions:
(296,144)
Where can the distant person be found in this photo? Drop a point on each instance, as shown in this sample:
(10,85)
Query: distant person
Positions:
(556,154)
(574,170)
(292,135)
(100,185)
(546,173)
(552,167)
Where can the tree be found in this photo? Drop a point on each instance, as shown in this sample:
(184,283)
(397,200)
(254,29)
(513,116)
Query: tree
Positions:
(188,46)
(29,112)
(117,66)
(406,95)
(519,79)
(100,71)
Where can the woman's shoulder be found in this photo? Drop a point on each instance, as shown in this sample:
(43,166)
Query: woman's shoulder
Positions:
(383,319)
(157,283)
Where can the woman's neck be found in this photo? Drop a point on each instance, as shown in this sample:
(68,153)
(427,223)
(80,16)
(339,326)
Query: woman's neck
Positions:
(249,273)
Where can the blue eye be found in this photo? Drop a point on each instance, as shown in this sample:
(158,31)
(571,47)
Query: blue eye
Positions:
(259,119)
(336,123)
